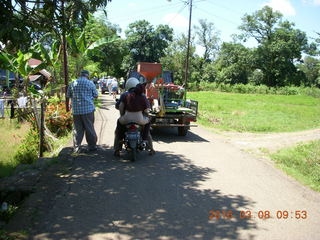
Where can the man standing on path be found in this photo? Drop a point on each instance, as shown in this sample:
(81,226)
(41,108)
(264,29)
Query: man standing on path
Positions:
(82,92)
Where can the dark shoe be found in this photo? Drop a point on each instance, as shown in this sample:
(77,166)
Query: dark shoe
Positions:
(116,153)
(93,149)
(152,152)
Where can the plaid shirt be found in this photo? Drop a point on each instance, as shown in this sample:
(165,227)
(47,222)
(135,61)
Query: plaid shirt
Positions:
(82,91)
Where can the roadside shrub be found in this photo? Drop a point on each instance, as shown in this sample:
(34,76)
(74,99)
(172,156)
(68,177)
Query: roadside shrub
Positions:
(254,89)
(311,91)
(260,89)
(193,86)
(288,90)
(58,120)
(208,86)
(225,87)
(27,152)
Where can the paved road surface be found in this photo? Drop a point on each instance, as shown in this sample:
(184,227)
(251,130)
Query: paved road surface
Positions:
(169,195)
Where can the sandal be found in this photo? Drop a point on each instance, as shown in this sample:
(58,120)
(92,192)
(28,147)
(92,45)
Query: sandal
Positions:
(152,152)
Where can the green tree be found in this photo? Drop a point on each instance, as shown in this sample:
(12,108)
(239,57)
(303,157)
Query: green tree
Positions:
(24,22)
(175,58)
(145,43)
(280,46)
(233,64)
(208,38)
(311,68)
(110,56)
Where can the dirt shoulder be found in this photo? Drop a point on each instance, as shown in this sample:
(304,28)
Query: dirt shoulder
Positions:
(271,142)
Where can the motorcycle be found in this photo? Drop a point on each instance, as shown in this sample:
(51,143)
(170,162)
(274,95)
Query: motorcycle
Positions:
(133,141)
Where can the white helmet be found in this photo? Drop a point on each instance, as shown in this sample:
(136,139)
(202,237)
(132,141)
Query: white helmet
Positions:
(131,83)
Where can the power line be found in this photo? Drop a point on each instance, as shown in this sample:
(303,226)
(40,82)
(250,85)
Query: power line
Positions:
(222,6)
(211,14)
(156,9)
(183,7)
(148,11)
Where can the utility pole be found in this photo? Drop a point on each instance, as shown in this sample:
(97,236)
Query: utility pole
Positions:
(186,75)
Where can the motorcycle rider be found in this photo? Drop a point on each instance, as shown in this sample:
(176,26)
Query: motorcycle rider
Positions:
(133,106)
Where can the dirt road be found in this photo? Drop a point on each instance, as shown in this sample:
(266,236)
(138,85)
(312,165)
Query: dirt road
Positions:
(170,195)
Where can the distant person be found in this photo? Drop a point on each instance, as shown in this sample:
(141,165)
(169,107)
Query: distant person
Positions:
(82,93)
(114,88)
(2,101)
(12,104)
(121,85)
(109,84)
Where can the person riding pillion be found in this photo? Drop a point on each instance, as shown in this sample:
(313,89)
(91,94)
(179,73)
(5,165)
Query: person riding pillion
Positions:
(134,107)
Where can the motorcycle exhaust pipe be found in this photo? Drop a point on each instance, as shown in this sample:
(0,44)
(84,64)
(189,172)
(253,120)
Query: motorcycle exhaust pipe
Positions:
(143,144)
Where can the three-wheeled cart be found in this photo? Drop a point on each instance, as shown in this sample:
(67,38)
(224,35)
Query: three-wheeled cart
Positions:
(170,108)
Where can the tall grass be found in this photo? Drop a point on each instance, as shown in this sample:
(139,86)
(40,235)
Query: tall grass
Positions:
(12,134)
(257,112)
(302,162)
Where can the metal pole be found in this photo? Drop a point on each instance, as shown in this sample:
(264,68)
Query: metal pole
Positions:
(188,52)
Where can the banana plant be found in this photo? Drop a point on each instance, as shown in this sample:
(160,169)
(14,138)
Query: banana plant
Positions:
(80,48)
(19,63)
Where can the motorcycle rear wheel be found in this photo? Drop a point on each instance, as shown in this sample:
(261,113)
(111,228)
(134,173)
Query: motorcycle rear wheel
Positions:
(133,155)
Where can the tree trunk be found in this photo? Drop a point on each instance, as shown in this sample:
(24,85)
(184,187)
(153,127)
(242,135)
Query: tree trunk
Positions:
(65,57)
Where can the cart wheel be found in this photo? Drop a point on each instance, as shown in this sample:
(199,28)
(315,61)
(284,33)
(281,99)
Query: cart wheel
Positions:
(182,131)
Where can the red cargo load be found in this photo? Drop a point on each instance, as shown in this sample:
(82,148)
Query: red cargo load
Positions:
(149,70)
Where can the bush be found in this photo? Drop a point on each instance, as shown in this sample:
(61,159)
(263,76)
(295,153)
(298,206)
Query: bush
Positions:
(58,120)
(254,89)
(311,91)
(193,86)
(27,152)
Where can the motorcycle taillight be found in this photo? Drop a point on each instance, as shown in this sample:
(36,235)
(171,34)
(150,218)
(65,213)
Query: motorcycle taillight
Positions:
(133,127)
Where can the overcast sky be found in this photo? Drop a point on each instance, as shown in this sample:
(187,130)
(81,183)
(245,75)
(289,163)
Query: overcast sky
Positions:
(226,15)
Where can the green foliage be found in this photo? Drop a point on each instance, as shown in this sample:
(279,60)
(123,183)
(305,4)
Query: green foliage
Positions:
(24,22)
(6,215)
(27,152)
(279,47)
(58,120)
(233,63)
(145,43)
(208,38)
(256,77)
(311,68)
(302,162)
(175,58)
(109,56)
(254,89)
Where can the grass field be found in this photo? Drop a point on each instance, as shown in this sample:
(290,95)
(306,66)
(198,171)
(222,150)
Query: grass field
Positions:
(257,113)
(302,162)
(11,136)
